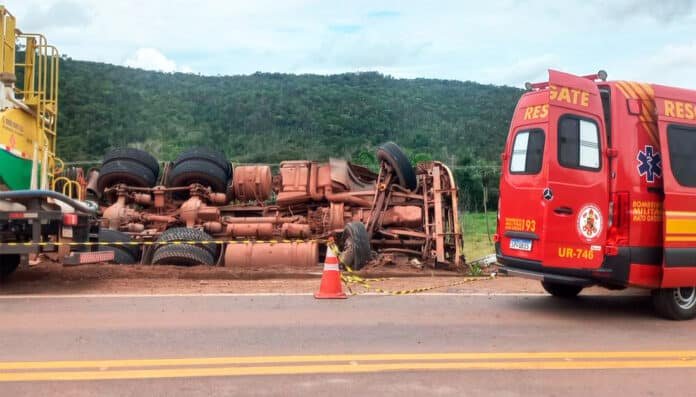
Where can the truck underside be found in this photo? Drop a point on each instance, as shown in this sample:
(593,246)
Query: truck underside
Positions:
(200,210)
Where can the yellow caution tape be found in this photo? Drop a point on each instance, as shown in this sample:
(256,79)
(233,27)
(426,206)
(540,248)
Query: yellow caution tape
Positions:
(147,243)
(370,288)
(353,278)
(351,273)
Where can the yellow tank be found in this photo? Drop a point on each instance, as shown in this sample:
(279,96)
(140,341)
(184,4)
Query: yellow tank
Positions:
(28,107)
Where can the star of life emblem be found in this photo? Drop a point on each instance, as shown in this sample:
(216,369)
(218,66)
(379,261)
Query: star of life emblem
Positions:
(649,164)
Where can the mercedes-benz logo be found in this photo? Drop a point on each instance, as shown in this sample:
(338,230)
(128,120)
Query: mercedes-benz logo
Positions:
(548,194)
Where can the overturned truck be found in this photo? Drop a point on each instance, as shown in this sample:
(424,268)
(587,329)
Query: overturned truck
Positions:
(200,210)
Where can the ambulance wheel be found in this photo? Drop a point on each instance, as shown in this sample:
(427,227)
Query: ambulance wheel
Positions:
(675,303)
(355,246)
(392,154)
(8,264)
(561,290)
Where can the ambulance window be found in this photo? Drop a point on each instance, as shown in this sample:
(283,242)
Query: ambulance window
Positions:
(578,143)
(527,152)
(682,146)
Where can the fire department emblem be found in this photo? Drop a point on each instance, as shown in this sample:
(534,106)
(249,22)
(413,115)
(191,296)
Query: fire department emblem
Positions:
(590,222)
(649,164)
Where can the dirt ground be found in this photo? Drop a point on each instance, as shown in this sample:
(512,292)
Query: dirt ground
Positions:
(48,279)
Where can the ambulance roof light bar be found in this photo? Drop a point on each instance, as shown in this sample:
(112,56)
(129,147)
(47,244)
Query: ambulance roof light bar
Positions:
(601,75)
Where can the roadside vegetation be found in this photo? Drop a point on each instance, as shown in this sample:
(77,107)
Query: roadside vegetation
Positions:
(476,234)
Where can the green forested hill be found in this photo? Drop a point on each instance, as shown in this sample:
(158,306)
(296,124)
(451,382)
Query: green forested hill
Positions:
(273,117)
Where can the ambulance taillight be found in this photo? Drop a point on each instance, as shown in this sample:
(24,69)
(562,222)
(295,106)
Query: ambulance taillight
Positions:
(619,218)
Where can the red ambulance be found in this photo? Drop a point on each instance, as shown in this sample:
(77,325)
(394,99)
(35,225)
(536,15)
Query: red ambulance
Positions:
(598,187)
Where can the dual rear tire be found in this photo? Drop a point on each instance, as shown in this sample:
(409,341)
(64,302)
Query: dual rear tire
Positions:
(124,252)
(180,247)
(205,166)
(129,166)
(137,168)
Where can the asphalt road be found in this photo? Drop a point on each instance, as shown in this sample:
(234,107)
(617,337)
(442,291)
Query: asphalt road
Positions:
(368,345)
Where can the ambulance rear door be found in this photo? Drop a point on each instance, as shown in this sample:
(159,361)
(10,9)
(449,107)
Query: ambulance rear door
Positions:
(676,110)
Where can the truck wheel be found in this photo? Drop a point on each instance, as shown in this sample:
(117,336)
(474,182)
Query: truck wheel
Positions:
(396,158)
(182,255)
(123,254)
(130,154)
(561,290)
(355,246)
(203,153)
(186,234)
(125,171)
(8,264)
(199,171)
(675,303)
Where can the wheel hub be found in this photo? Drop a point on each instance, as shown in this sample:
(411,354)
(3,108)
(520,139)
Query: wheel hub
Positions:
(685,298)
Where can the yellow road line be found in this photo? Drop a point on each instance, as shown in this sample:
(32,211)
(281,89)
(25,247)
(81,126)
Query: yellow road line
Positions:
(339,369)
(333,358)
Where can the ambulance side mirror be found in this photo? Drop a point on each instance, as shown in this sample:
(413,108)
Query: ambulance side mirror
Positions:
(612,152)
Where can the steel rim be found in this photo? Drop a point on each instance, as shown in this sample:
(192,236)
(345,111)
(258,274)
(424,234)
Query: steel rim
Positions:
(685,298)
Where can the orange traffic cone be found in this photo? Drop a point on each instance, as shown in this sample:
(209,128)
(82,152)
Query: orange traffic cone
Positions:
(331,287)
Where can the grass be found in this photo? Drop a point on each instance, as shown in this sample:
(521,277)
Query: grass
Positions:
(476,243)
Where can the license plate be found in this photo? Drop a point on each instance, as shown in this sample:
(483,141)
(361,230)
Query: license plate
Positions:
(521,244)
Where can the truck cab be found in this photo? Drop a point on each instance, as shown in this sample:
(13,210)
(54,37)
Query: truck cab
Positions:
(598,187)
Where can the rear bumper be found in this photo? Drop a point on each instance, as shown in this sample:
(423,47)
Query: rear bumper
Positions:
(547,277)
(614,272)
(534,269)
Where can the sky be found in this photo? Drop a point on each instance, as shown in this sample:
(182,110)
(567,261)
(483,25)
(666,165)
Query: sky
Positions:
(499,42)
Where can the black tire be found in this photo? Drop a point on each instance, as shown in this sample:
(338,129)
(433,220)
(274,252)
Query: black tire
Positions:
(206,154)
(392,154)
(355,246)
(137,155)
(199,171)
(561,290)
(8,264)
(675,303)
(182,255)
(123,254)
(188,234)
(128,172)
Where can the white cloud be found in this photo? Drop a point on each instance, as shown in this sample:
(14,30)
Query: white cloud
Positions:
(664,11)
(674,64)
(521,71)
(152,59)
(61,14)
(497,42)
